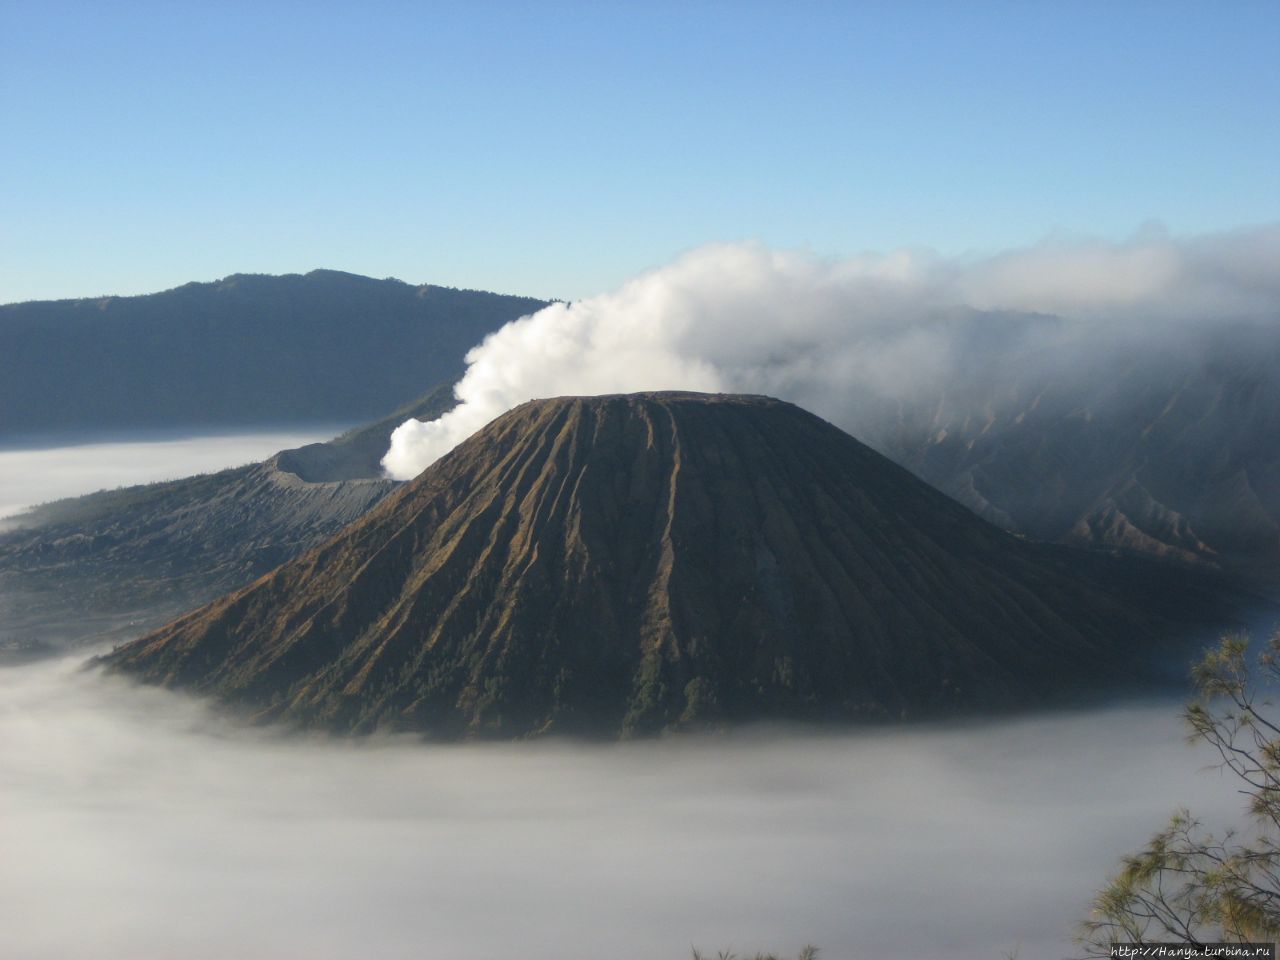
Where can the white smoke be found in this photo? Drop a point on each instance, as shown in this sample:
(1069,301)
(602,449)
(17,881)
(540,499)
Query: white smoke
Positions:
(742,318)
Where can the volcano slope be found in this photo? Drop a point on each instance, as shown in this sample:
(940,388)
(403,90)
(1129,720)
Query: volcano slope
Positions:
(629,564)
(117,562)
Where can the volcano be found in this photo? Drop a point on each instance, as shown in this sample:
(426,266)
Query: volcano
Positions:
(630,564)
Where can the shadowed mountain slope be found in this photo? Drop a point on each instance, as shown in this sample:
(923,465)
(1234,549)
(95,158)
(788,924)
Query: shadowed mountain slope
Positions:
(1168,448)
(627,564)
(248,349)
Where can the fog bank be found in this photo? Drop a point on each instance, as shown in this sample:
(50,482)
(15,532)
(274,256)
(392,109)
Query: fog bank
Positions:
(38,475)
(137,826)
(826,334)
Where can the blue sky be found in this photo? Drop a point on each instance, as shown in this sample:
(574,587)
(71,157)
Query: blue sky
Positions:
(555,149)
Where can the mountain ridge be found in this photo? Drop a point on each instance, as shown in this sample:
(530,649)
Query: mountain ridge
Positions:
(1163,450)
(250,349)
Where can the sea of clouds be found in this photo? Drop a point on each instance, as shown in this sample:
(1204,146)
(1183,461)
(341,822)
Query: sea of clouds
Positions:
(137,825)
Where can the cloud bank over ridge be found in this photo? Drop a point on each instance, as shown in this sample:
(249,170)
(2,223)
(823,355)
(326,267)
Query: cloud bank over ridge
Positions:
(821,333)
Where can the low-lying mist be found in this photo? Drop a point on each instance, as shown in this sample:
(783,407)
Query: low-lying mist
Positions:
(29,476)
(138,825)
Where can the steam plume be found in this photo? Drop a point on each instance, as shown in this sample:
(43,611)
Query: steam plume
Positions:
(824,333)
